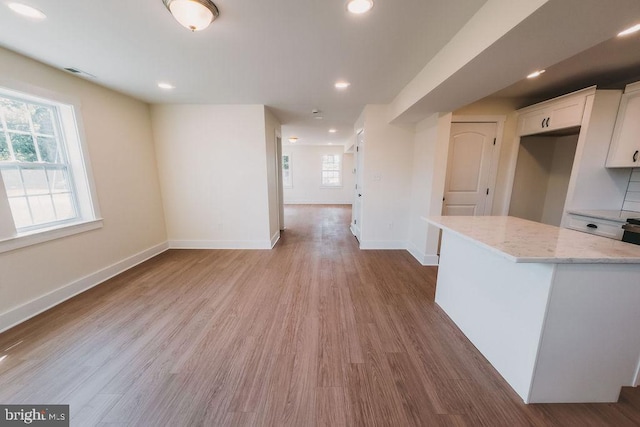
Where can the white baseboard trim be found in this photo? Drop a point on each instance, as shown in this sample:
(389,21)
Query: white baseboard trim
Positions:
(275,238)
(431,260)
(424,259)
(311,202)
(19,314)
(382,244)
(219,244)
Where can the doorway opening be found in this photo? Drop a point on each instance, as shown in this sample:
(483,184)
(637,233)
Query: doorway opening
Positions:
(541,180)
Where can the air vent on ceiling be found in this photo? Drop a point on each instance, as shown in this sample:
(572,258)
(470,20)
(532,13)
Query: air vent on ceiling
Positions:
(79,72)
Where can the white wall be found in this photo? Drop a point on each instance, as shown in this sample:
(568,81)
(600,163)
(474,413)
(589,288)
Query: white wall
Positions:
(531,177)
(431,144)
(272,126)
(118,135)
(213,173)
(559,174)
(387,175)
(306,167)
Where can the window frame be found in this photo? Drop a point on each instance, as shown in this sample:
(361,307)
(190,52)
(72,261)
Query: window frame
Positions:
(323,170)
(79,173)
(61,163)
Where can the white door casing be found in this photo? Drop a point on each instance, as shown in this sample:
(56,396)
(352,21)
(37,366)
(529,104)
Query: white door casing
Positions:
(356,221)
(280,183)
(471,169)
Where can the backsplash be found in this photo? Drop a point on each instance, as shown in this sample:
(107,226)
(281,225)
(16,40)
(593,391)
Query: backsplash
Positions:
(632,199)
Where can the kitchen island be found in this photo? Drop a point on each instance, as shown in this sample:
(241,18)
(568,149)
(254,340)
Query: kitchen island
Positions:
(555,311)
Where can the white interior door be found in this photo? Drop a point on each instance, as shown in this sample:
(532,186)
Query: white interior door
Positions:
(356,213)
(471,154)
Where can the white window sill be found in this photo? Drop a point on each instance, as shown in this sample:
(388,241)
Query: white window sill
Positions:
(44,235)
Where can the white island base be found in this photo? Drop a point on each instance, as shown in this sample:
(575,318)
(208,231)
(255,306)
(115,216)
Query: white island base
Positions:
(566,331)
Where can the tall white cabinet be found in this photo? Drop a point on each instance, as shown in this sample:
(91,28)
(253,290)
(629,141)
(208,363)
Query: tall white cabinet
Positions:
(625,145)
(590,116)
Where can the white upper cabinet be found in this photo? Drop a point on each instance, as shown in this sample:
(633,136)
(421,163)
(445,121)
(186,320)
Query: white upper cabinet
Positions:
(624,151)
(559,113)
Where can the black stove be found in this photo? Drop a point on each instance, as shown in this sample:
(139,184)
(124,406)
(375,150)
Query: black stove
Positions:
(632,231)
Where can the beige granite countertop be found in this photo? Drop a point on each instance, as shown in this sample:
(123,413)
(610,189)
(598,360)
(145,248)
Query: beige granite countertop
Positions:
(525,241)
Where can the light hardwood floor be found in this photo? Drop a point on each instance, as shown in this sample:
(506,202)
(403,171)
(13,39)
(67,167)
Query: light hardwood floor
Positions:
(312,333)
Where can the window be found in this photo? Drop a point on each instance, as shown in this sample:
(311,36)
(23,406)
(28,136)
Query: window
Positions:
(331,170)
(286,171)
(42,166)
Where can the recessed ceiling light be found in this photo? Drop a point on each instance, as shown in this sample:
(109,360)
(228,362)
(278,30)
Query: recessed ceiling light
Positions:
(28,11)
(628,31)
(167,86)
(293,139)
(535,74)
(359,6)
(342,85)
(331,143)
(332,131)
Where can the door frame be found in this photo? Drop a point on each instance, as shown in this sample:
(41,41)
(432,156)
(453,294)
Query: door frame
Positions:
(356,214)
(280,186)
(495,158)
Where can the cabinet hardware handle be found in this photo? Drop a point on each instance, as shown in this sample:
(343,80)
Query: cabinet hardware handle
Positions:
(542,124)
(592,226)
(635,156)
(548,118)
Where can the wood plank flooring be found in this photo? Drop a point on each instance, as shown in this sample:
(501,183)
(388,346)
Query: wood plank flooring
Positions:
(312,333)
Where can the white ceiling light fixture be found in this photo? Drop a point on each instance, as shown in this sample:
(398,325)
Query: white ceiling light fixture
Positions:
(195,15)
(27,11)
(630,30)
(359,7)
(293,139)
(332,130)
(535,74)
(342,84)
(166,86)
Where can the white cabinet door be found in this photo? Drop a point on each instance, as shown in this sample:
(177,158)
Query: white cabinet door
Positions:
(625,144)
(553,115)
(533,122)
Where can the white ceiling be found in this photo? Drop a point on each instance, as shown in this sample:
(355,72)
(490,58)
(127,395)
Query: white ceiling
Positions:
(554,34)
(611,64)
(287,54)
